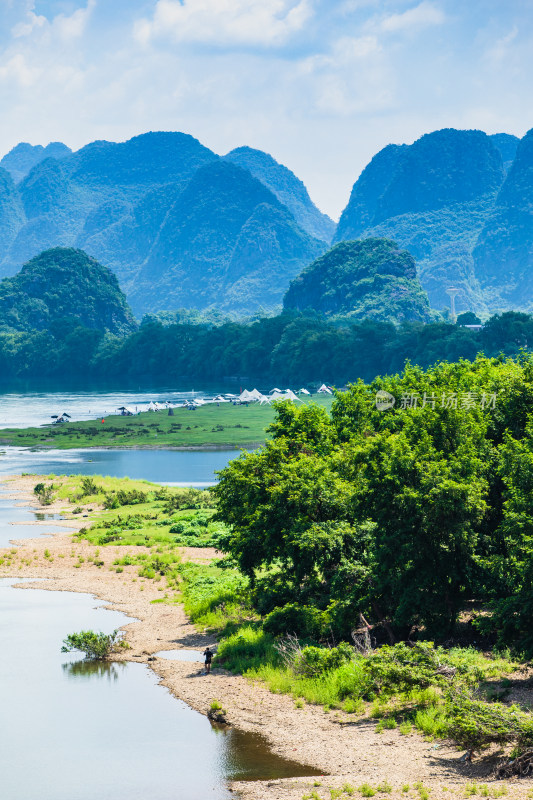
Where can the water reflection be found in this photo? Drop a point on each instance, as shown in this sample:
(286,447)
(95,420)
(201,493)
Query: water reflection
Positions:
(106,731)
(247,757)
(90,668)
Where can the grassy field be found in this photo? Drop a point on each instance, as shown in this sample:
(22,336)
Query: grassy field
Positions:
(224,425)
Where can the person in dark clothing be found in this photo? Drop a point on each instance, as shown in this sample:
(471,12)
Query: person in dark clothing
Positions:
(208,655)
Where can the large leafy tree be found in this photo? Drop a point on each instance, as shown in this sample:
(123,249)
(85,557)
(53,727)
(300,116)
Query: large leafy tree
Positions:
(401,514)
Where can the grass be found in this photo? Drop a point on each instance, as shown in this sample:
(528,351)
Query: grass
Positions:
(224,425)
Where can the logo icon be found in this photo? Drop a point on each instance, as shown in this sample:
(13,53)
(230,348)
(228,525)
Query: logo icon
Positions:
(384,400)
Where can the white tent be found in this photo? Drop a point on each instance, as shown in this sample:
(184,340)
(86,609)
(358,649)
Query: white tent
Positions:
(152,406)
(264,400)
(220,399)
(246,396)
(256,394)
(325,389)
(303,391)
(274,391)
(288,395)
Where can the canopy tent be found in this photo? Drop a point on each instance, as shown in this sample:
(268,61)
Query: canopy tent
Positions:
(264,400)
(246,396)
(325,389)
(303,391)
(288,395)
(256,394)
(126,411)
(275,390)
(220,399)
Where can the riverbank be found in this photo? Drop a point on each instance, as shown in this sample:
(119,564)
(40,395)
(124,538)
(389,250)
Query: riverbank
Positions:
(349,750)
(209,426)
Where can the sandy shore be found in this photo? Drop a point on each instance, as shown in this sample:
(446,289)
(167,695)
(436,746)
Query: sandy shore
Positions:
(346,749)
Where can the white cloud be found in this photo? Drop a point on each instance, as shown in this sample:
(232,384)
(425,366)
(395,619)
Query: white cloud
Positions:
(241,22)
(354,78)
(28,25)
(424,15)
(17,70)
(73,26)
(500,50)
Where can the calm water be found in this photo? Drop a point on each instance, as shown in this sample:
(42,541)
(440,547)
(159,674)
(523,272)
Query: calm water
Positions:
(172,467)
(77,731)
(10,513)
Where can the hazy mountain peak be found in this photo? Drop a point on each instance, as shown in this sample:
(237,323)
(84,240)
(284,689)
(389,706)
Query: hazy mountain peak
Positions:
(24,156)
(289,190)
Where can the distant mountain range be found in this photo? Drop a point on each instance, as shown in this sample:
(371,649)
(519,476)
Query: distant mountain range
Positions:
(180,226)
(459,202)
(183,227)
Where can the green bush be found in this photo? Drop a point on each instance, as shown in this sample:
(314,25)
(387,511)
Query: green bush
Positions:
(124,498)
(94,645)
(314,661)
(476,723)
(89,487)
(44,493)
(304,621)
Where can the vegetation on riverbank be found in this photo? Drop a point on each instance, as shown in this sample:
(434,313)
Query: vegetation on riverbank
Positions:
(290,348)
(210,425)
(354,540)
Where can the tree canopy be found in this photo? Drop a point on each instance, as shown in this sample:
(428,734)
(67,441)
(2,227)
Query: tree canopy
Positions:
(401,514)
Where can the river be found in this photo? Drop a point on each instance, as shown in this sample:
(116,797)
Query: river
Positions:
(76,730)
(72,730)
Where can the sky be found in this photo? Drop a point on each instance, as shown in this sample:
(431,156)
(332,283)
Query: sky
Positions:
(322,85)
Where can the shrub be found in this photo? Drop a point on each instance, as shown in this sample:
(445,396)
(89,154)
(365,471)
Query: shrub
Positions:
(124,498)
(44,493)
(313,661)
(476,724)
(94,645)
(89,487)
(304,621)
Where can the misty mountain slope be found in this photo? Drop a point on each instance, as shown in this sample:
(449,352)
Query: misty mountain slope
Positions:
(503,256)
(11,212)
(507,146)
(432,197)
(225,227)
(289,190)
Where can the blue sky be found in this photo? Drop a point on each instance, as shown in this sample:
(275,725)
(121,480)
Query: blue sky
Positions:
(320,84)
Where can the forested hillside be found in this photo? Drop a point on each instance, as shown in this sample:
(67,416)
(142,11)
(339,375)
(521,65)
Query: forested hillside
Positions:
(458,201)
(368,279)
(291,348)
(62,289)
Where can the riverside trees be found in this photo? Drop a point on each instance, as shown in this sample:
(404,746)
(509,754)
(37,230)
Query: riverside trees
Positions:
(401,515)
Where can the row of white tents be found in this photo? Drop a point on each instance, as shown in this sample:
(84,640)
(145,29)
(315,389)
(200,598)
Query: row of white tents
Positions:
(253,396)
(277,394)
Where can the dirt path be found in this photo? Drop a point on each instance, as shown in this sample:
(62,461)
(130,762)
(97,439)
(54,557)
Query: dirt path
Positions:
(346,749)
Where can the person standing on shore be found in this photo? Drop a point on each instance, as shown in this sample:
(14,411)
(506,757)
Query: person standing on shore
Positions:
(208,655)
